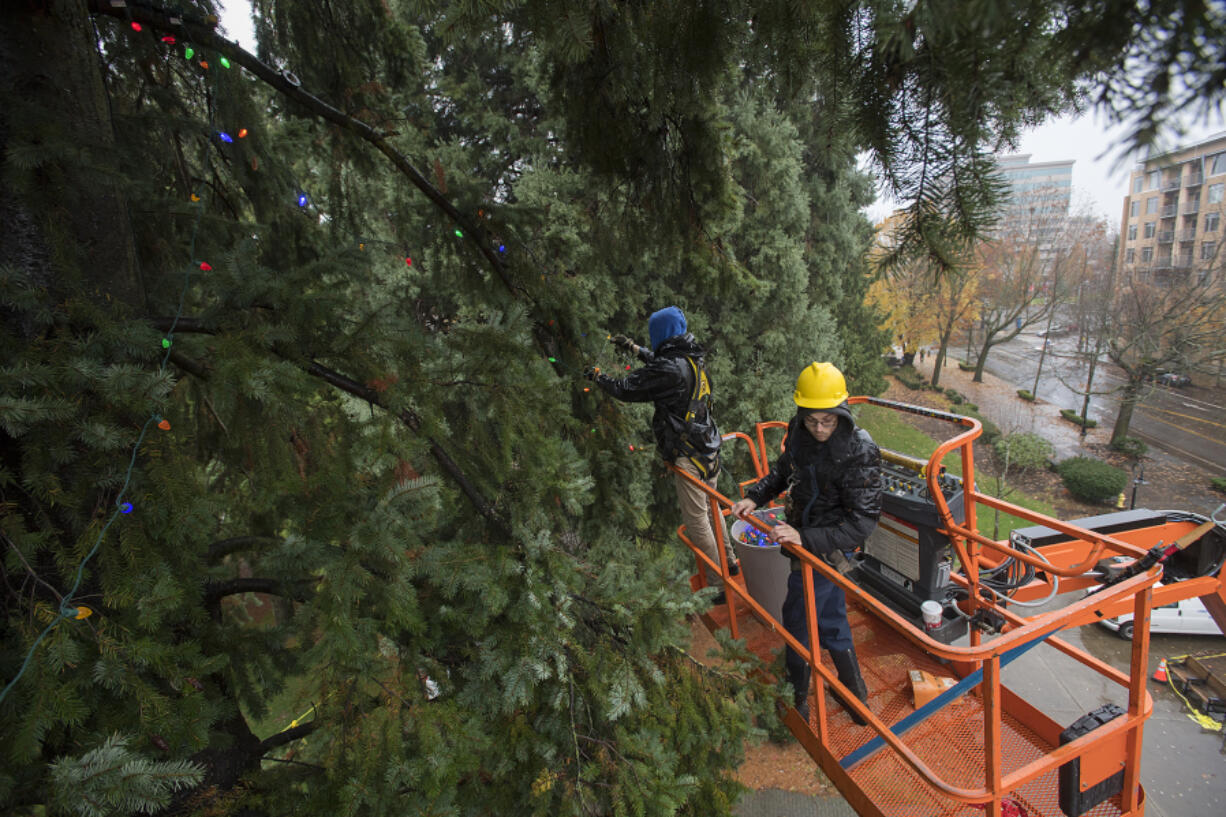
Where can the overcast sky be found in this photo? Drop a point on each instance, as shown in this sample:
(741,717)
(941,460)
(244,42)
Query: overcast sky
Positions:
(1100,177)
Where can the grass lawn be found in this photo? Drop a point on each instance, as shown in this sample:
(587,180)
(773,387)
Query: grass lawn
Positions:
(891,431)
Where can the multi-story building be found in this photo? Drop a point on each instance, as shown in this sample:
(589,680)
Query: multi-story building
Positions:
(1038,197)
(1172,220)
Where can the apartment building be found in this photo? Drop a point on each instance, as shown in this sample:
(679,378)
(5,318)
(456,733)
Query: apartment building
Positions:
(1039,197)
(1172,219)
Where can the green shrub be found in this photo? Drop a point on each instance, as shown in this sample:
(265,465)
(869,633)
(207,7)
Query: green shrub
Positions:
(1075,418)
(910,378)
(991,432)
(1024,450)
(953,396)
(1218,484)
(1092,480)
(1025,395)
(966,367)
(1130,446)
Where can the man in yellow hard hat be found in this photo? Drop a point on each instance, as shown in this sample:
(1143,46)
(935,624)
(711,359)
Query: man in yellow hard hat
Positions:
(831,471)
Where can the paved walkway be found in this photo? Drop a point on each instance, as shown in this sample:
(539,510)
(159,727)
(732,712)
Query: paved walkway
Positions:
(998,401)
(779,803)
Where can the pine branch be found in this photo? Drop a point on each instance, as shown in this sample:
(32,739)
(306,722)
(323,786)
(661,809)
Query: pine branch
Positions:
(409,418)
(215,591)
(366,393)
(201,32)
(225,547)
(288,736)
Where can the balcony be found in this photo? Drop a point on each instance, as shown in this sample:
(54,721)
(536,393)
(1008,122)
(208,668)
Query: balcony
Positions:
(1170,184)
(1187,235)
(1191,207)
(1166,236)
(1170,211)
(1194,179)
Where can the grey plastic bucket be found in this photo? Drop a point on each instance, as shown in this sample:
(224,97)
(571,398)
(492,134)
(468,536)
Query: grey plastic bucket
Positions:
(766,568)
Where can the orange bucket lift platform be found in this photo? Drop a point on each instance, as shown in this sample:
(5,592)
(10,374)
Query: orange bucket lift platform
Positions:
(976,747)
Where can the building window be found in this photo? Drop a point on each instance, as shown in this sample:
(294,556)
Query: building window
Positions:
(1138,184)
(1217,163)
(1147,254)
(1150,226)
(1151,205)
(1130,255)
(1215,193)
(1132,232)
(1134,209)
(1211,222)
(1207,250)
(1155,177)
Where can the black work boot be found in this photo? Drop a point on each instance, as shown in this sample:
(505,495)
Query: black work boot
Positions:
(848,669)
(800,692)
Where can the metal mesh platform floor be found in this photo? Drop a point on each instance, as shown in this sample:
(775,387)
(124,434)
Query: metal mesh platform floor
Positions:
(950,742)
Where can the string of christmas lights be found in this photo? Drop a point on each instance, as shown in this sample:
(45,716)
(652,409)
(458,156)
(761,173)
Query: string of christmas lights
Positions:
(69,610)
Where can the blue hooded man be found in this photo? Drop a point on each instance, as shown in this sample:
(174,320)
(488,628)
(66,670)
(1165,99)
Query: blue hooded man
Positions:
(674,378)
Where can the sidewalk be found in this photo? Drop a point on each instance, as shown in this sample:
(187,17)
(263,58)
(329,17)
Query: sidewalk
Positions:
(780,803)
(998,401)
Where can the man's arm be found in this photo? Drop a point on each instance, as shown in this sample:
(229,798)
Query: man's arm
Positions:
(640,386)
(771,485)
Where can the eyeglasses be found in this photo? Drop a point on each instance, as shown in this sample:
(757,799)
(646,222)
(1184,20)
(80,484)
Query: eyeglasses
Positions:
(822,421)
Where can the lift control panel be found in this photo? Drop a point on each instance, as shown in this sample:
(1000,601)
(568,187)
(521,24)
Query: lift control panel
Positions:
(906,559)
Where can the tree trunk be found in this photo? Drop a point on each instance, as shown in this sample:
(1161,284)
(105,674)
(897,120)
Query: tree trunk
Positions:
(983,358)
(938,362)
(1128,402)
(61,227)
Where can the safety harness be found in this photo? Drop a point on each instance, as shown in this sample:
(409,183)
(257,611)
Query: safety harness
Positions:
(698,411)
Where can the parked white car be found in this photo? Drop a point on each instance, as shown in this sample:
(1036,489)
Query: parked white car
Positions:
(1187,617)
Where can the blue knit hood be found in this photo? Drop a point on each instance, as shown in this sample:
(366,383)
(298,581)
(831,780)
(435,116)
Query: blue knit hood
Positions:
(664,324)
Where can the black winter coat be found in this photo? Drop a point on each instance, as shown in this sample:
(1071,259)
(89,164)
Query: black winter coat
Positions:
(834,488)
(668,381)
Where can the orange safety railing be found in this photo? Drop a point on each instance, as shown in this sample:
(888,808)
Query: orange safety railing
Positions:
(1018,634)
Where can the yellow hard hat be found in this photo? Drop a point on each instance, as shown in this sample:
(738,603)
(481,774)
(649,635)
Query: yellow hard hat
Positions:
(820,386)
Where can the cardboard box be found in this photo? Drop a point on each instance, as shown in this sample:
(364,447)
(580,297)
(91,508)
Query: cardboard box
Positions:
(925,686)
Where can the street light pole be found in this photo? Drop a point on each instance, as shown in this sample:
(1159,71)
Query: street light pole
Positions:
(1137,481)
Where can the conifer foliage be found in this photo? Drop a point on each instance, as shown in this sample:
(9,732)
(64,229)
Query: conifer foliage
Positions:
(303,506)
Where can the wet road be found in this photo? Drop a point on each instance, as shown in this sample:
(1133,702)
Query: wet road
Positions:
(1183,767)
(1189,423)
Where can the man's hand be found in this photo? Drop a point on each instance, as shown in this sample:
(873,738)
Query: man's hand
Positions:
(590,372)
(743,507)
(624,343)
(785,534)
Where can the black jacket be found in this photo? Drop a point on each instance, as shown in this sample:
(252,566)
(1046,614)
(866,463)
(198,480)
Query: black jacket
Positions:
(668,381)
(834,488)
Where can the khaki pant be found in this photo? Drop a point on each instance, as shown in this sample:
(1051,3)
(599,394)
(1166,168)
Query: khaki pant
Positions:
(696,514)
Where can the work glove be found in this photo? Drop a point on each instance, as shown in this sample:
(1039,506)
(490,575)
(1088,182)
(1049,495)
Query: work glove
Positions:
(622,342)
(591,372)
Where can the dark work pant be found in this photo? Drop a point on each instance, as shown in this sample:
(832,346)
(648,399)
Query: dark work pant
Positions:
(833,630)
